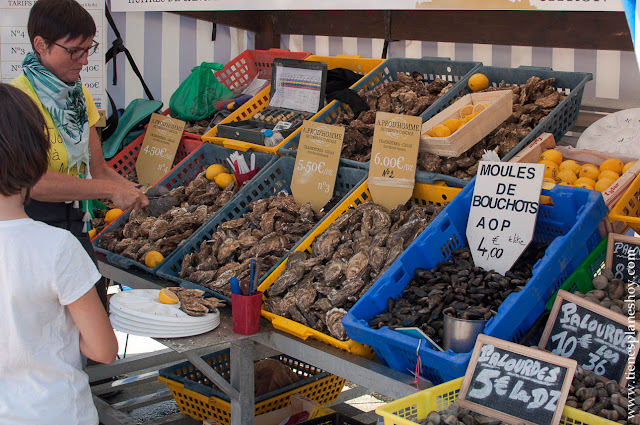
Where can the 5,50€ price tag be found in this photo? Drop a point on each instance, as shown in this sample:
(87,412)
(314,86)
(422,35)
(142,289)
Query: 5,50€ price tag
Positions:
(394,153)
(159,148)
(317,161)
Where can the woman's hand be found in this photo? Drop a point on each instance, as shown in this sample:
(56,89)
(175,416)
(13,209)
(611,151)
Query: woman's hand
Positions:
(127,197)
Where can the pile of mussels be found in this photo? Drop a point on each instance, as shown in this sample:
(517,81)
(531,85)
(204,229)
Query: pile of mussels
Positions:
(458,288)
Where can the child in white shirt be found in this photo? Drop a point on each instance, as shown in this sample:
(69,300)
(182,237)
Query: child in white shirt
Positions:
(49,309)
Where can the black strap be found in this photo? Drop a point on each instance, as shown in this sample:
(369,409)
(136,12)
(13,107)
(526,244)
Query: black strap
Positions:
(117,47)
(112,121)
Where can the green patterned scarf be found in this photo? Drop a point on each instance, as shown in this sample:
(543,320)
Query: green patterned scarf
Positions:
(68,109)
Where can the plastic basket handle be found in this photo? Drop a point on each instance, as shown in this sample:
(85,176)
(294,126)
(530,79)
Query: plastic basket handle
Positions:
(349,56)
(534,68)
(292,327)
(274,50)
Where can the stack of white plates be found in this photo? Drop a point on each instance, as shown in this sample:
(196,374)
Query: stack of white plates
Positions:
(617,133)
(138,312)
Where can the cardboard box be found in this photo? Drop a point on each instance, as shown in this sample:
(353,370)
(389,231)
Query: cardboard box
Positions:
(611,196)
(298,404)
(500,108)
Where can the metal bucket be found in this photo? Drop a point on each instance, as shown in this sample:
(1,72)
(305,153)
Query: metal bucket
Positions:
(460,334)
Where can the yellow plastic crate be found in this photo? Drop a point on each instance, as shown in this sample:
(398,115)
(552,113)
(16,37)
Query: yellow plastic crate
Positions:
(197,399)
(418,406)
(627,209)
(423,194)
(260,102)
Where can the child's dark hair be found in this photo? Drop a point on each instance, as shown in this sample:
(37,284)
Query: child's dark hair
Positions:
(24,143)
(58,19)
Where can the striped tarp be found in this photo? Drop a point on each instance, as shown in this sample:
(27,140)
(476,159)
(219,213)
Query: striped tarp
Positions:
(167,46)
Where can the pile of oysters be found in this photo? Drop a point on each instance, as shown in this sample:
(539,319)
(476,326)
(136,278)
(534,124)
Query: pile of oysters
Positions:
(193,303)
(409,95)
(171,217)
(318,288)
(532,102)
(267,232)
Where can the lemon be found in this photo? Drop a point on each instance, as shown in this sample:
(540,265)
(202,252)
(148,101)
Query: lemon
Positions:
(466,110)
(112,214)
(612,164)
(550,169)
(453,124)
(441,130)
(214,170)
(167,297)
(480,107)
(567,176)
(586,180)
(565,184)
(590,171)
(584,185)
(478,82)
(627,166)
(608,174)
(550,180)
(225,179)
(552,155)
(570,164)
(92,233)
(153,258)
(603,184)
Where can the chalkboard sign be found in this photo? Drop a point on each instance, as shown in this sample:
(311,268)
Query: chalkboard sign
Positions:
(597,338)
(516,384)
(623,257)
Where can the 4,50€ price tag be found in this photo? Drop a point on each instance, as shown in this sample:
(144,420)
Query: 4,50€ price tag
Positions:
(159,148)
(317,161)
(394,153)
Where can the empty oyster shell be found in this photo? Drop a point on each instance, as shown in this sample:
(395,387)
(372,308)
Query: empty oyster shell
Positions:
(334,323)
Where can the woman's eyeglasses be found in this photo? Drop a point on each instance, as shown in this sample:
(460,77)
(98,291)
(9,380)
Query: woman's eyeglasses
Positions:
(77,54)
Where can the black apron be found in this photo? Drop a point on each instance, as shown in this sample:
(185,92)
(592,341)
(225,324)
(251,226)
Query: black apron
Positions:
(65,216)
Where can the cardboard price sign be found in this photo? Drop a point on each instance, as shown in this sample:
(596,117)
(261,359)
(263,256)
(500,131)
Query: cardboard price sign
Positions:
(392,170)
(317,163)
(599,339)
(623,257)
(516,384)
(503,214)
(158,148)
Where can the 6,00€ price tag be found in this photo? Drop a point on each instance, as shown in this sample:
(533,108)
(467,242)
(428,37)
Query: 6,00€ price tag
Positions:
(317,161)
(394,153)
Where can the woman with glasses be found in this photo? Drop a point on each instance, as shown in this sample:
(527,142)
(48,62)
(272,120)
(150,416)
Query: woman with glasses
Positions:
(62,36)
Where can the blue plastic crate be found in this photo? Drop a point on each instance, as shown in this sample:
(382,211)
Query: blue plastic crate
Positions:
(569,226)
(270,182)
(558,122)
(181,175)
(457,72)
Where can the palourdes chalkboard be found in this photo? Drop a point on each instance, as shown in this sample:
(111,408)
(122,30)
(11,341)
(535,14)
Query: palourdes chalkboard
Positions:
(623,257)
(516,384)
(596,337)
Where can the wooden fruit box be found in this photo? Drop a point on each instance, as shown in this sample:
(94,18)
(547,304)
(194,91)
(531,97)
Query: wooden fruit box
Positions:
(613,193)
(500,108)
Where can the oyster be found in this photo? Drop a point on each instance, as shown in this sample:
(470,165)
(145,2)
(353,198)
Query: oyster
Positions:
(333,320)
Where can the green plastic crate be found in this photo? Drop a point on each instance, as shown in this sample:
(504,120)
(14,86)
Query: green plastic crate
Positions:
(582,278)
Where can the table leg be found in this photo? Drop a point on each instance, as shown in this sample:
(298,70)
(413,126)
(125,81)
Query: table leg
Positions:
(242,379)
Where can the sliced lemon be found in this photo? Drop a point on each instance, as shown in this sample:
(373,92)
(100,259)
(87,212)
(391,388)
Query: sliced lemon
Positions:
(466,110)
(480,107)
(167,297)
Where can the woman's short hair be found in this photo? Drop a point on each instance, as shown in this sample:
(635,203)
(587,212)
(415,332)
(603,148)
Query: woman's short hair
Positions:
(24,143)
(59,19)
